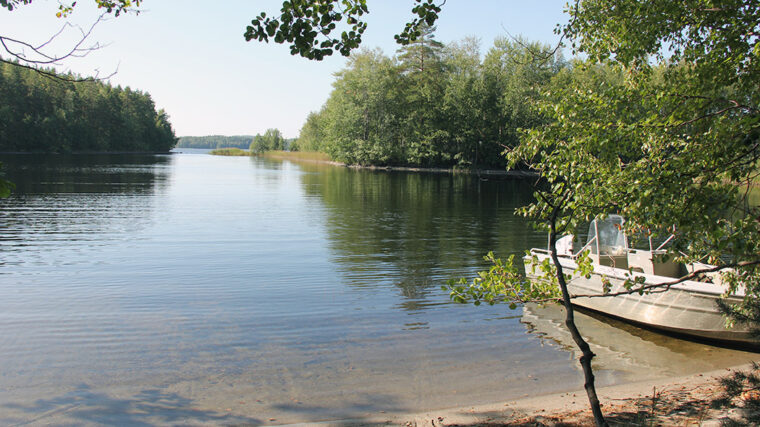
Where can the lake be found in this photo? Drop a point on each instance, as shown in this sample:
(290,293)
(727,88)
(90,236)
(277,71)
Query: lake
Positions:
(189,288)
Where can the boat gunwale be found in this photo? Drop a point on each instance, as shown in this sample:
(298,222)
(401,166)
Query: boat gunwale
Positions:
(693,286)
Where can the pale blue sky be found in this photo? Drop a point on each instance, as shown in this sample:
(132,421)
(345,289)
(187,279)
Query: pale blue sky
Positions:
(192,58)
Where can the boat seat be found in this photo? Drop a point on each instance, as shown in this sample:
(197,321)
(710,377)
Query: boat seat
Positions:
(654,263)
(615,261)
(667,268)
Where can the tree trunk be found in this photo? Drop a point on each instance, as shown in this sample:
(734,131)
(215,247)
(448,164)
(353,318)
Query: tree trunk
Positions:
(586,353)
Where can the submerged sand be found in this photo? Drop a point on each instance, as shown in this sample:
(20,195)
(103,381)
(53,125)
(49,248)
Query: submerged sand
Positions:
(379,387)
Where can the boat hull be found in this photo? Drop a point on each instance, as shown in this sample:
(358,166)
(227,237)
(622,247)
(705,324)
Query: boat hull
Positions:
(689,308)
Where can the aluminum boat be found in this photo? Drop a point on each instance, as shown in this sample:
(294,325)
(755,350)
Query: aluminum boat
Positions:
(688,308)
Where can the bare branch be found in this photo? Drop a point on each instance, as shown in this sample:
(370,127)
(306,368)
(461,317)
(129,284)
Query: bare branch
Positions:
(32,57)
(736,106)
(68,78)
(54,36)
(539,56)
(536,56)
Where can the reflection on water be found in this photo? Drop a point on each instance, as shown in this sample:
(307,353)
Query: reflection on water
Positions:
(194,288)
(416,230)
(622,347)
(83,202)
(86,173)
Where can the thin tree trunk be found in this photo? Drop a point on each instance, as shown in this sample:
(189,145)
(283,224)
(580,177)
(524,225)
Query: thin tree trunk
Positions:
(586,353)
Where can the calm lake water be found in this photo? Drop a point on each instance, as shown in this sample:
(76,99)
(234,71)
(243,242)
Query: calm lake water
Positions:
(190,288)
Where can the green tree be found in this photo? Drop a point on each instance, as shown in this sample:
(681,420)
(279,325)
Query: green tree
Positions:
(423,84)
(422,56)
(463,111)
(361,117)
(519,70)
(274,139)
(271,140)
(312,133)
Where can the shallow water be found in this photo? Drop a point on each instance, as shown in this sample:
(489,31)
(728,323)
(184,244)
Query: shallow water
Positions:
(191,288)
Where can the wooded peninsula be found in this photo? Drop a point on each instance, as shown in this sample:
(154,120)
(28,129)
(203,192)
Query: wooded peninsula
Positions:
(433,105)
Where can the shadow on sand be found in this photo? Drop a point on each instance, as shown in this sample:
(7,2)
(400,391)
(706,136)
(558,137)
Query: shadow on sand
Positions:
(146,408)
(150,407)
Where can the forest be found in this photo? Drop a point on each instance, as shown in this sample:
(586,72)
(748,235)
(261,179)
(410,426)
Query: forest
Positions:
(62,115)
(433,105)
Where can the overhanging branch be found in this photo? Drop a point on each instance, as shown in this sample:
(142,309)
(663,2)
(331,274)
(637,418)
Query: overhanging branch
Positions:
(33,57)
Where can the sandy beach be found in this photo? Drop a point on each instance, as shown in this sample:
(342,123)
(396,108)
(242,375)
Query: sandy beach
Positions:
(682,401)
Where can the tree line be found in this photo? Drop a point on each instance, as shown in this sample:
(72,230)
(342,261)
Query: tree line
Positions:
(433,105)
(50,114)
(215,141)
(271,140)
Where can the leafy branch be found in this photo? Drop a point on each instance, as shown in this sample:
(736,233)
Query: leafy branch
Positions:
(308,26)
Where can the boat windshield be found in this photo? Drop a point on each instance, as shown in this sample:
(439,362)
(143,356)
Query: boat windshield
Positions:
(606,237)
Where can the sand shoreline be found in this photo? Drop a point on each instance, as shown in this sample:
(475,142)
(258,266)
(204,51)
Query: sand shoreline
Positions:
(683,400)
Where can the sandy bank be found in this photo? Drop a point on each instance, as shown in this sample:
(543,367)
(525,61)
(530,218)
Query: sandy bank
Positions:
(683,401)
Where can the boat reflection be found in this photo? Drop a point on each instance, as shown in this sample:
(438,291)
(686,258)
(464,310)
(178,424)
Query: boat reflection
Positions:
(626,349)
